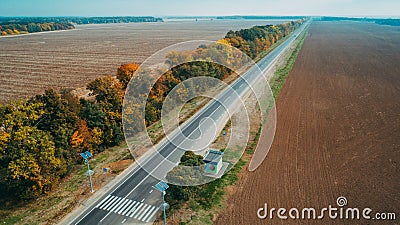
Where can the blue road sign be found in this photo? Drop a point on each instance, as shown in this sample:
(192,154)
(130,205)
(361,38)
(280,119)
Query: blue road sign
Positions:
(165,185)
(160,187)
(84,156)
(88,154)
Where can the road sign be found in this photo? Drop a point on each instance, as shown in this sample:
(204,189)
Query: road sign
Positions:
(88,154)
(84,156)
(165,185)
(160,187)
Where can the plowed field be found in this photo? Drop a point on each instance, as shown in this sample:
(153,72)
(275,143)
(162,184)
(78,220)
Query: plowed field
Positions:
(338,130)
(29,64)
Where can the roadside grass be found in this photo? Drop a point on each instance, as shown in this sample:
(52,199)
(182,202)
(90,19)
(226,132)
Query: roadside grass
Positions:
(281,73)
(12,220)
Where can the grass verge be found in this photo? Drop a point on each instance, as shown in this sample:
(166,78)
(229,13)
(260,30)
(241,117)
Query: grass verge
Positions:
(283,70)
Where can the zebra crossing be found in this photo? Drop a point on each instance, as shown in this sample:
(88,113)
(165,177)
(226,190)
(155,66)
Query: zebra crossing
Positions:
(127,207)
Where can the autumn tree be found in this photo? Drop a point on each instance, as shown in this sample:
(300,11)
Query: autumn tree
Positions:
(81,139)
(28,164)
(125,73)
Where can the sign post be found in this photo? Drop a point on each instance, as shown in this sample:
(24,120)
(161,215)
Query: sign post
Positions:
(162,186)
(86,155)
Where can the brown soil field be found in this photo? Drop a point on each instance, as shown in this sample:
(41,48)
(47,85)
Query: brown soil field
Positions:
(29,64)
(338,130)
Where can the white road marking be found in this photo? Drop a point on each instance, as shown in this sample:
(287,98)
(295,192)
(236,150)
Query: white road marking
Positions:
(103,218)
(109,203)
(126,206)
(130,208)
(151,215)
(105,199)
(148,213)
(151,191)
(120,200)
(141,211)
(122,204)
(131,213)
(144,212)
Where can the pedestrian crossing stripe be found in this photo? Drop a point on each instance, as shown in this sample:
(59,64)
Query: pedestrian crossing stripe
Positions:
(129,208)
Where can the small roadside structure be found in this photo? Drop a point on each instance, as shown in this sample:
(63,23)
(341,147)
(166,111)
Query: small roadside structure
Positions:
(213,160)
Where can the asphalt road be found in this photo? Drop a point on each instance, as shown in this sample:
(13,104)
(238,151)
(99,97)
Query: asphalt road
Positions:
(134,200)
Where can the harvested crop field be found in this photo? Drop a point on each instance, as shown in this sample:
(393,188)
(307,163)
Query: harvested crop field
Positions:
(29,64)
(338,130)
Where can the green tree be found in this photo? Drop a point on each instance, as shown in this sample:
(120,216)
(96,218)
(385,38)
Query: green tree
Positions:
(93,114)
(108,93)
(60,121)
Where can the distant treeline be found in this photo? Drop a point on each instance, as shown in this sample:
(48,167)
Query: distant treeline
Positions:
(21,25)
(78,20)
(259,17)
(18,28)
(124,19)
(41,138)
(391,22)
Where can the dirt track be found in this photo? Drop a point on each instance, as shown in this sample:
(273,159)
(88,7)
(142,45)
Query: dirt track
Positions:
(338,130)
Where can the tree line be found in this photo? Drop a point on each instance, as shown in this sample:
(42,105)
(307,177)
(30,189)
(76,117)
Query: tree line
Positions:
(387,21)
(23,25)
(258,39)
(259,17)
(18,28)
(78,19)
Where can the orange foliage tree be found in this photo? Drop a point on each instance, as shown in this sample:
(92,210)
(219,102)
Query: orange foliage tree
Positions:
(125,73)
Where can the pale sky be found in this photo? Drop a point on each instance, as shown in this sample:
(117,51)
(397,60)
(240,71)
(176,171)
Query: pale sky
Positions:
(385,8)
